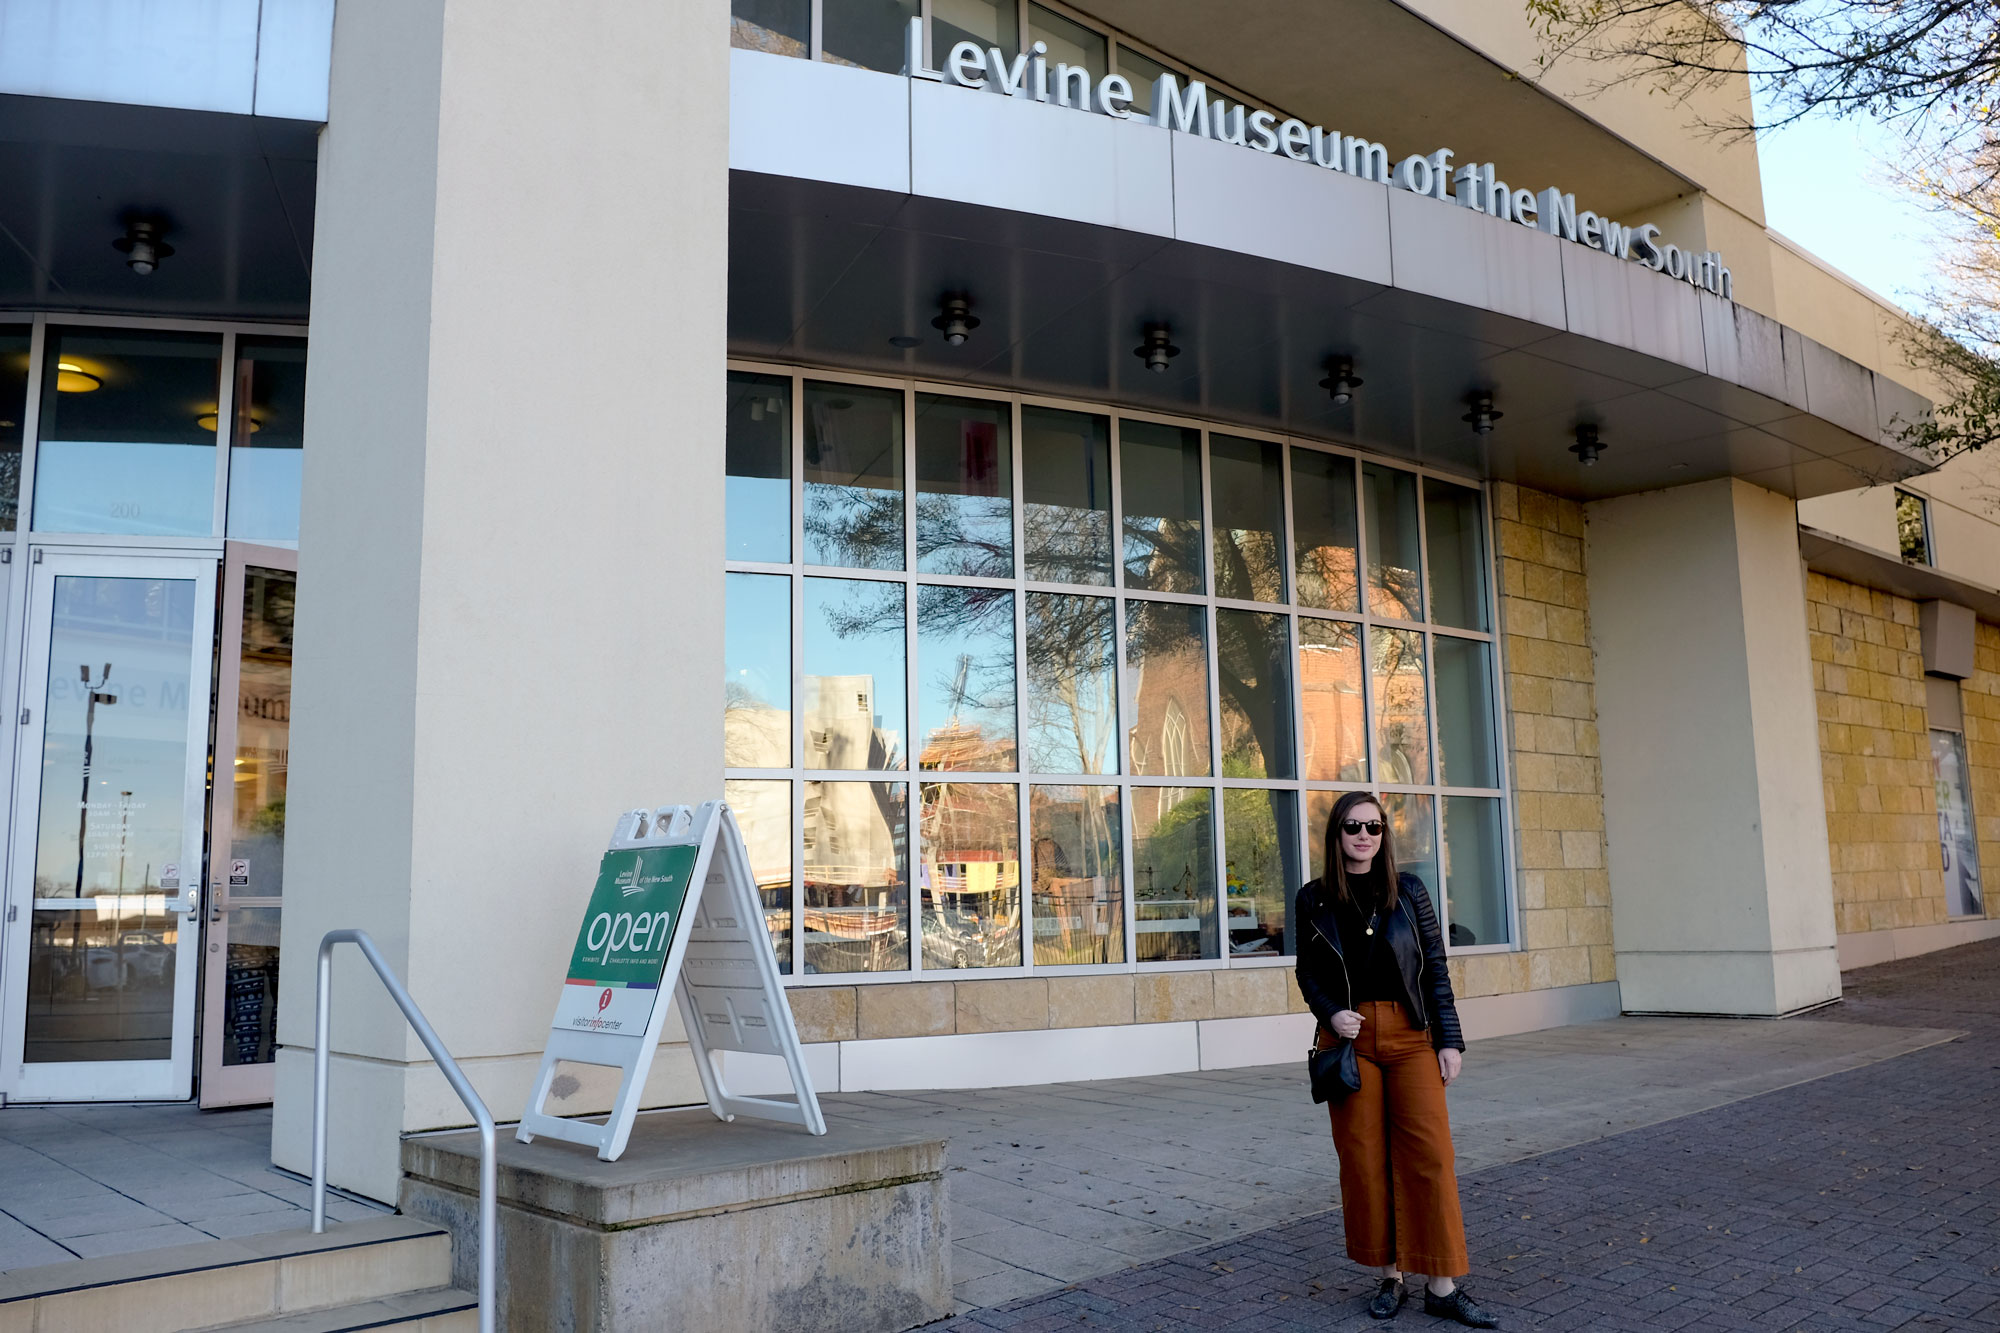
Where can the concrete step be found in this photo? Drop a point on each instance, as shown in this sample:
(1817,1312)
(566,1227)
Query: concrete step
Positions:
(232,1282)
(438,1310)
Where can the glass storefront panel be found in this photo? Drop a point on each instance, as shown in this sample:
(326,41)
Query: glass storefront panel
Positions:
(114,773)
(969,882)
(984,23)
(1389,521)
(14,349)
(757,670)
(127,433)
(262,762)
(1958,838)
(114,749)
(1066,489)
(1166,681)
(1475,877)
(1325,548)
(781,27)
(1173,874)
(763,810)
(1455,532)
(1253,652)
(854,665)
(1413,818)
(250,988)
(101,984)
(757,488)
(1072,700)
(1247,490)
(1003,675)
(865,33)
(965,689)
(1261,860)
(1077,838)
(854,915)
(1334,728)
(268,442)
(965,487)
(854,476)
(1402,719)
(1468,750)
(1159,470)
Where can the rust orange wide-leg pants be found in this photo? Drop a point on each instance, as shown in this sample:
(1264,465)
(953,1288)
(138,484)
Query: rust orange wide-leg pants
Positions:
(1398,1191)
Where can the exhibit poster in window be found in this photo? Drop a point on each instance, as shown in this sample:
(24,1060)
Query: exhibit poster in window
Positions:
(1955,831)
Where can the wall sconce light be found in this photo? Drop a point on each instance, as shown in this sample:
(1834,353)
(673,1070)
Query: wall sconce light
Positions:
(1158,349)
(1587,446)
(956,320)
(1341,381)
(141,245)
(1482,416)
(72,378)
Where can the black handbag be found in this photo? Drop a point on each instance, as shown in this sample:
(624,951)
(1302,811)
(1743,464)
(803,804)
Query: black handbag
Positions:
(1334,1071)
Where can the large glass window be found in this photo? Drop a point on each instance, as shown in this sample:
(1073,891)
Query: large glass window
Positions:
(757,487)
(1066,517)
(866,33)
(127,433)
(1160,470)
(14,349)
(984,23)
(782,27)
(965,487)
(1128,664)
(854,476)
(268,440)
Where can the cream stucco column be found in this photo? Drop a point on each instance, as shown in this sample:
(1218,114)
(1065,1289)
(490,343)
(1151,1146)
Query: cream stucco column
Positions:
(1715,819)
(510,592)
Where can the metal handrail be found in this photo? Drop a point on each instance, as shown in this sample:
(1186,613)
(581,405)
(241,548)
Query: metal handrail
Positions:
(488,1161)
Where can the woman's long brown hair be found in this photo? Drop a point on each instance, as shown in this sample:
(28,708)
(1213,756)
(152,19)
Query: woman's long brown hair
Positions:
(1384,869)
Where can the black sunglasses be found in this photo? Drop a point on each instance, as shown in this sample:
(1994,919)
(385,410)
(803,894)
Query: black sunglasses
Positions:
(1353,826)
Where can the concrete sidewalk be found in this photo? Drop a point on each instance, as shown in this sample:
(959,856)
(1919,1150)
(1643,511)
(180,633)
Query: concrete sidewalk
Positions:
(1049,1184)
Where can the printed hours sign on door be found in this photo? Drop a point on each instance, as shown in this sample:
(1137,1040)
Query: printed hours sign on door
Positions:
(621,949)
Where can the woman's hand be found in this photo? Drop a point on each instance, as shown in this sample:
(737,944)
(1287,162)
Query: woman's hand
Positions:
(1347,1025)
(1450,1062)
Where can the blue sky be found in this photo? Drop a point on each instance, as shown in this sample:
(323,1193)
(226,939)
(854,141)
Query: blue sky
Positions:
(1826,186)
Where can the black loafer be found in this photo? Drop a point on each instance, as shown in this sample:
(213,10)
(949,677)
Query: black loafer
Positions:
(1458,1306)
(1389,1298)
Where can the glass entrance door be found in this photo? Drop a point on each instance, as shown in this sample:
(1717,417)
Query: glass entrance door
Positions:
(104,886)
(246,874)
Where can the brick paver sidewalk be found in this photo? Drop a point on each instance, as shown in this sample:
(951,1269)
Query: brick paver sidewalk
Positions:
(1869,1199)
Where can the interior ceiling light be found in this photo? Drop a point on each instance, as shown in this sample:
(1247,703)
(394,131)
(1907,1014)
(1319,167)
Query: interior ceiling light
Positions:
(1341,382)
(1587,446)
(141,245)
(956,320)
(905,341)
(1158,349)
(209,421)
(72,378)
(1482,416)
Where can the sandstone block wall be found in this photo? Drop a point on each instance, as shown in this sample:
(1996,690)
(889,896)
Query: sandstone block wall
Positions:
(1875,759)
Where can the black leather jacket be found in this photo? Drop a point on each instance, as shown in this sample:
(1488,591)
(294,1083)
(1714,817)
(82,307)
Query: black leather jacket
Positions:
(1412,935)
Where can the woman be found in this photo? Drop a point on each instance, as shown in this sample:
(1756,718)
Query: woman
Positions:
(1371,968)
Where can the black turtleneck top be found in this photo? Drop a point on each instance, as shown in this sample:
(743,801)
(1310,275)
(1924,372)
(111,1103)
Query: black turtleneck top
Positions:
(1371,967)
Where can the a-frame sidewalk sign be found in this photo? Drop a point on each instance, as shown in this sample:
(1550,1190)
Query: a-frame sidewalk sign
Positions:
(674,910)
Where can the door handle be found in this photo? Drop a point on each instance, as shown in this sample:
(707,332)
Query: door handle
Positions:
(215,900)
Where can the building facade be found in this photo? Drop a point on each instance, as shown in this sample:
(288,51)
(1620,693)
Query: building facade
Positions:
(1029,458)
